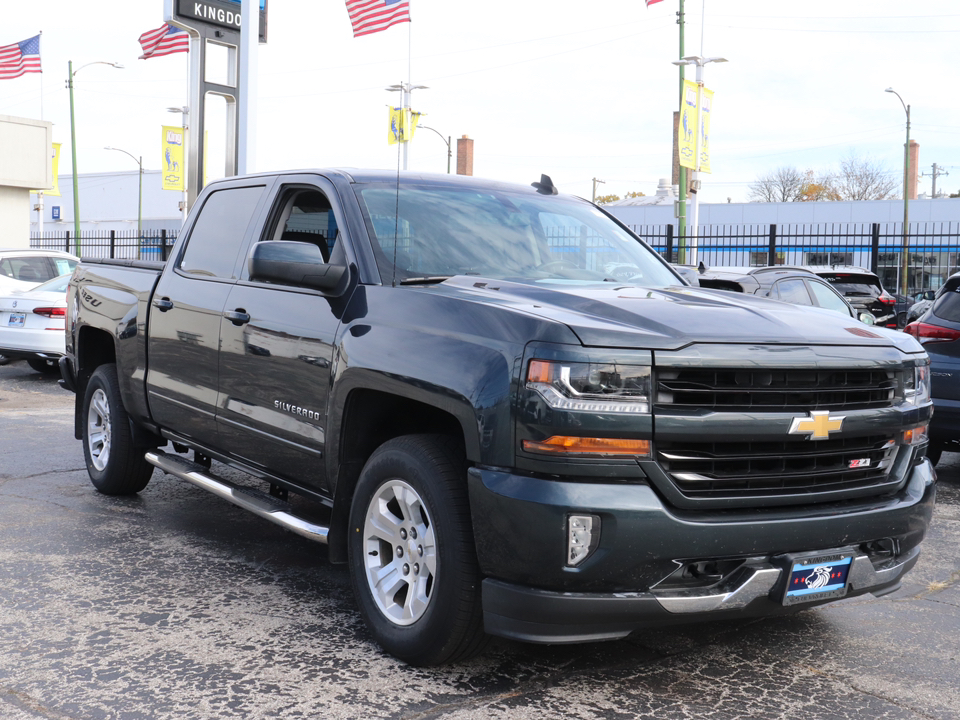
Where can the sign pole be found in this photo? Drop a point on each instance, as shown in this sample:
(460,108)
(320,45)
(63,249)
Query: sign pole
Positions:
(247,81)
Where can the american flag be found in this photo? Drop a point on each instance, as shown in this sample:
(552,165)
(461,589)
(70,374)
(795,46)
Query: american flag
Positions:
(651,2)
(165,40)
(370,16)
(19,58)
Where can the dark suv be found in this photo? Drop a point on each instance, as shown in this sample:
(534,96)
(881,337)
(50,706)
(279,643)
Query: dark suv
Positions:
(794,285)
(863,290)
(938,330)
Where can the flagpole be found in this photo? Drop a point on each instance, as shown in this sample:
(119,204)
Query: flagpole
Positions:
(682,204)
(406,92)
(40,52)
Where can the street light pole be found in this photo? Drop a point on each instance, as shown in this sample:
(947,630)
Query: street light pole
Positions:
(73,149)
(185,111)
(139,161)
(406,90)
(905,249)
(446,140)
(694,229)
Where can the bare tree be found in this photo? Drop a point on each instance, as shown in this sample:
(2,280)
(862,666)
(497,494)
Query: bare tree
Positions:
(785,184)
(864,179)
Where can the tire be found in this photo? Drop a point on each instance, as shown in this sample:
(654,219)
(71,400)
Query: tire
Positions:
(901,320)
(934,451)
(410,528)
(115,466)
(47,367)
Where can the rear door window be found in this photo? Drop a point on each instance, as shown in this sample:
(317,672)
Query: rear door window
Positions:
(219,232)
(793,290)
(64,265)
(27,269)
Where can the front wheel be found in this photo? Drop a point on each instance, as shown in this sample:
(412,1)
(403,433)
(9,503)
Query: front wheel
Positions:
(114,464)
(412,558)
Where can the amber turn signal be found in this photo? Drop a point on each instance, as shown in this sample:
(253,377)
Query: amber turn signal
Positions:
(569,445)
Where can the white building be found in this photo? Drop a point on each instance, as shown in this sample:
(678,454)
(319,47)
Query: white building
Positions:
(25,163)
(108,201)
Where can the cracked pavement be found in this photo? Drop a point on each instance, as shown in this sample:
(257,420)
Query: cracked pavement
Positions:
(174,604)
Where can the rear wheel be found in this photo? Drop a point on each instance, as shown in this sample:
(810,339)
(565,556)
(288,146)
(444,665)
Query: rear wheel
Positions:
(47,367)
(411,552)
(115,465)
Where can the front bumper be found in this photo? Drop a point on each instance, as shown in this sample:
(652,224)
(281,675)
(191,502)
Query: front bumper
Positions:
(529,594)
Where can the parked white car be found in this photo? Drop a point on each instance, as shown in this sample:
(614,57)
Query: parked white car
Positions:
(25,268)
(32,324)
(22,268)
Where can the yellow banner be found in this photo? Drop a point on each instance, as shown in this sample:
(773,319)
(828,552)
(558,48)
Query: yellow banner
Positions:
(53,191)
(687,140)
(706,107)
(395,126)
(174,177)
(414,119)
(402,123)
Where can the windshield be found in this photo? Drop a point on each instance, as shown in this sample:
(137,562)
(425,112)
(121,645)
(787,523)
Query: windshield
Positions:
(438,231)
(855,285)
(58,284)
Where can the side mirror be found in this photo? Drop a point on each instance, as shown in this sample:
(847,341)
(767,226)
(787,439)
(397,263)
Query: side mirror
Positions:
(867,319)
(293,263)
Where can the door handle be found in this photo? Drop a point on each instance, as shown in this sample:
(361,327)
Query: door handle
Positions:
(238,316)
(163,304)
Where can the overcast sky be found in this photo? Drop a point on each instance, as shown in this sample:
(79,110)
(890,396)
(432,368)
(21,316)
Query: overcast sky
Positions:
(577,90)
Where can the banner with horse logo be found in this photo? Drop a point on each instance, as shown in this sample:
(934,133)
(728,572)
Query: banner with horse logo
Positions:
(172,162)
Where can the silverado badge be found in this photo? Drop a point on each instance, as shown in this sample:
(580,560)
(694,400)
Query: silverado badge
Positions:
(818,426)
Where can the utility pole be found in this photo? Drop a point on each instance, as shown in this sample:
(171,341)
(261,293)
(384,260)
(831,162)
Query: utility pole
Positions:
(937,172)
(595,181)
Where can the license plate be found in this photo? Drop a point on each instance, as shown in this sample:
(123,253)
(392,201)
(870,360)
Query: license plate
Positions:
(817,577)
(16,319)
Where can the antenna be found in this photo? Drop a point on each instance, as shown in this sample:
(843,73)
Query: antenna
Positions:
(396,220)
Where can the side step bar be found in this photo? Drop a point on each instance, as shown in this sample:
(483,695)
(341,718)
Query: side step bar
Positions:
(259,503)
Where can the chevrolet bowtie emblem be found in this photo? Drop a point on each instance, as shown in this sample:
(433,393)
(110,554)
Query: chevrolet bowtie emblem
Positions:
(818,426)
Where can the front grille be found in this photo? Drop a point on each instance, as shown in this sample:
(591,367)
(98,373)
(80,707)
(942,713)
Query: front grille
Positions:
(776,390)
(768,469)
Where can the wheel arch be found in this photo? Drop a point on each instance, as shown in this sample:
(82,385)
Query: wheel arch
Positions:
(94,347)
(371,418)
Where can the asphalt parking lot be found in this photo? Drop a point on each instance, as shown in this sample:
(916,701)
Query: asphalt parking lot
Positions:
(174,604)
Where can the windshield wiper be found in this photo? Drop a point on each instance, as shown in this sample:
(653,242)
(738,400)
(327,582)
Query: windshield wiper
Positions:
(431,280)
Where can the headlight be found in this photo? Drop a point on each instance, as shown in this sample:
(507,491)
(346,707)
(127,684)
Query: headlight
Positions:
(916,389)
(591,387)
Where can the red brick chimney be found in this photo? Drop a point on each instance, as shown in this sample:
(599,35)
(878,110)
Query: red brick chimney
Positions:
(914,167)
(464,156)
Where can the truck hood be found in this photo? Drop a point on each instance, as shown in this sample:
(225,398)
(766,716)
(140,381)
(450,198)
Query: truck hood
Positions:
(627,316)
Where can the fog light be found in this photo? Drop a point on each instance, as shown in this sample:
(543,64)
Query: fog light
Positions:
(583,536)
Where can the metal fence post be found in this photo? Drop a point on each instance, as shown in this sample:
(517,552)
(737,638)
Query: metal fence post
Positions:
(772,247)
(163,244)
(669,248)
(113,244)
(66,243)
(875,247)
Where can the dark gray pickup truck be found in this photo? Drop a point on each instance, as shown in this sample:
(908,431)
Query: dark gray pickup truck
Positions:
(505,412)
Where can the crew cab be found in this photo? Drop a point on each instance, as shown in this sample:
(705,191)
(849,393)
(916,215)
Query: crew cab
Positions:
(509,415)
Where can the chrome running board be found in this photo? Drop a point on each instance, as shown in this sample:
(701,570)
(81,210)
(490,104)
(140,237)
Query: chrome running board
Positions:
(259,503)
